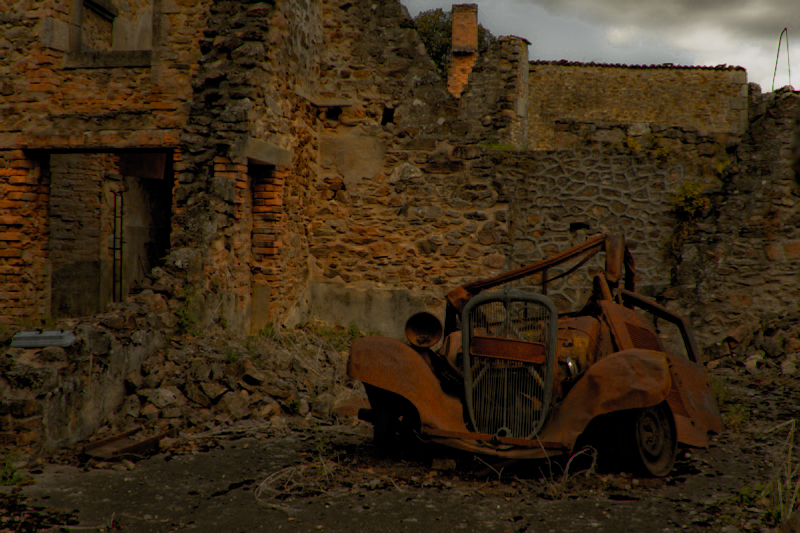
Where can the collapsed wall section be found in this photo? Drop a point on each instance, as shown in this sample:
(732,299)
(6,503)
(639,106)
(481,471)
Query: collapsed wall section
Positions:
(494,107)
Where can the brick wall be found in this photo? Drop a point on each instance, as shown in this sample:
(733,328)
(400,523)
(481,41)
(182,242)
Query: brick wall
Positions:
(458,72)
(24,230)
(465,27)
(464,47)
(707,100)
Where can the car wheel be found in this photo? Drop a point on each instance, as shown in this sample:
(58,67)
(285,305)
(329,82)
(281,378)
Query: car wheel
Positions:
(650,439)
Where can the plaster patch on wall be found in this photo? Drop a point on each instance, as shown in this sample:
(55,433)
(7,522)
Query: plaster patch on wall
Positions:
(353,153)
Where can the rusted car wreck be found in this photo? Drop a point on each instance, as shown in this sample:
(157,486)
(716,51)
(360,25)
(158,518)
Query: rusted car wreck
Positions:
(515,379)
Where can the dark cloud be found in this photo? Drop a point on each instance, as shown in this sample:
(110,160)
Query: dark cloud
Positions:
(683,32)
(751,19)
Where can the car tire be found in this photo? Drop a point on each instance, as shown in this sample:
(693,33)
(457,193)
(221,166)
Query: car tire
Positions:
(650,440)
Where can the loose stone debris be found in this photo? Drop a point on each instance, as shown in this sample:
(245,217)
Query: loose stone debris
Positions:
(286,393)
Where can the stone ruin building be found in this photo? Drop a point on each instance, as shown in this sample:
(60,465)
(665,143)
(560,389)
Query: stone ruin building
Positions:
(251,163)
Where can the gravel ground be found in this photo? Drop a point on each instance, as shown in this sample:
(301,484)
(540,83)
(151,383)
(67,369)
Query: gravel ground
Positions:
(307,473)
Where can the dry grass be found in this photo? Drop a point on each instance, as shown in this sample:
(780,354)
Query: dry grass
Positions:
(784,488)
(312,359)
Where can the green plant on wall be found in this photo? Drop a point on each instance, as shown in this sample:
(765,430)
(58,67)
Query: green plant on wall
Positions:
(633,144)
(497,147)
(721,166)
(688,205)
(189,315)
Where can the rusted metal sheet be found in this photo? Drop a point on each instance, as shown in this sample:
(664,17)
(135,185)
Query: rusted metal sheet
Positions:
(692,402)
(509,349)
(123,445)
(624,380)
(392,365)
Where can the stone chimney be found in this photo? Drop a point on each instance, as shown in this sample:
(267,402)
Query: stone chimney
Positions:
(464,47)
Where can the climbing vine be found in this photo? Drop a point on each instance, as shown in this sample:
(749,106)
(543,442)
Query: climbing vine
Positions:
(688,205)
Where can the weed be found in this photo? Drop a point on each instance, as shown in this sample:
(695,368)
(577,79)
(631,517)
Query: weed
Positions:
(10,474)
(722,165)
(688,205)
(232,355)
(187,320)
(189,315)
(353,331)
(268,331)
(252,346)
(633,144)
(784,488)
(737,417)
(720,389)
(659,153)
(293,407)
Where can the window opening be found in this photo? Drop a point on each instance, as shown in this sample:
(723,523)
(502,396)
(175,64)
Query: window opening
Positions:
(577,226)
(388,116)
(333,113)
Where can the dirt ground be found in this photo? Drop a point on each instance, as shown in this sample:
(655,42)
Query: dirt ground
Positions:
(294,473)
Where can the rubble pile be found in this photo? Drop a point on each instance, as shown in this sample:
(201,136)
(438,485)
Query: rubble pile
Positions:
(54,396)
(194,382)
(104,383)
(772,343)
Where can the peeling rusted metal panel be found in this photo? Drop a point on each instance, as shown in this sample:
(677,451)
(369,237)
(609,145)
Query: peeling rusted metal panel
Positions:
(692,402)
(624,380)
(392,365)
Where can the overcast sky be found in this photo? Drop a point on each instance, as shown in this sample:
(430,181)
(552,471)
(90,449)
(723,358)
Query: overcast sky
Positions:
(684,32)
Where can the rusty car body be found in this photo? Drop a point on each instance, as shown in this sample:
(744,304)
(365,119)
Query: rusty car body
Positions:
(513,378)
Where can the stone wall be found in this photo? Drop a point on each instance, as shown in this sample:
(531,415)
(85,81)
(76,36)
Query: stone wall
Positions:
(738,274)
(80,228)
(708,100)
(314,143)
(446,217)
(493,109)
(796,156)
(111,100)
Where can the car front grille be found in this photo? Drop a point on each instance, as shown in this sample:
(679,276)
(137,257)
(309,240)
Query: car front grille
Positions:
(510,386)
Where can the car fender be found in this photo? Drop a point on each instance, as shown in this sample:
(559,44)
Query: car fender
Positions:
(394,366)
(692,402)
(628,379)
